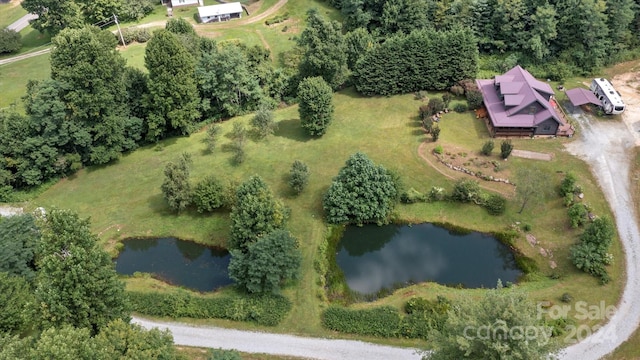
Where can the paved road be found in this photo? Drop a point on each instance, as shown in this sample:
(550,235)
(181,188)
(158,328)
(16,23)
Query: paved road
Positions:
(22,23)
(279,344)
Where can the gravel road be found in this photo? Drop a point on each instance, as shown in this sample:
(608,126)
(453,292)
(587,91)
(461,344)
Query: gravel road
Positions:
(279,344)
(606,146)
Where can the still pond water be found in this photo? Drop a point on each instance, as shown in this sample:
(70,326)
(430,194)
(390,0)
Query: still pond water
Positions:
(177,262)
(378,257)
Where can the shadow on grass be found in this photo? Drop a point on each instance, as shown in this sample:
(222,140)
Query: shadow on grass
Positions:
(292,130)
(418,132)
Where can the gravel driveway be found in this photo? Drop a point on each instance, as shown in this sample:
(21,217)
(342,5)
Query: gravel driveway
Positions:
(606,145)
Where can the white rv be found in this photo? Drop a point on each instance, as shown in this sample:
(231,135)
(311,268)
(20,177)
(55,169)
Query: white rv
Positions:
(611,100)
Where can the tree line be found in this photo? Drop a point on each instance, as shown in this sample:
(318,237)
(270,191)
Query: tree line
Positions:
(576,36)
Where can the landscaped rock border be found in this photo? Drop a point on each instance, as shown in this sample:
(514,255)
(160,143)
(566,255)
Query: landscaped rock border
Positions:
(472,173)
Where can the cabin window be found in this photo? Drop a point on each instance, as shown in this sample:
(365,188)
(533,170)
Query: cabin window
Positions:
(546,128)
(619,108)
(532,109)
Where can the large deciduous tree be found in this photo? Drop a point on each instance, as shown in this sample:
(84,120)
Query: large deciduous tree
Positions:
(173,95)
(15,294)
(256,212)
(503,324)
(316,105)
(363,192)
(227,82)
(324,50)
(19,237)
(267,263)
(54,15)
(76,283)
(91,72)
(531,187)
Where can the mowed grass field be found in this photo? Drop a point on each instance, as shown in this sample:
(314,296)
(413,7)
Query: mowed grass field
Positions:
(124,200)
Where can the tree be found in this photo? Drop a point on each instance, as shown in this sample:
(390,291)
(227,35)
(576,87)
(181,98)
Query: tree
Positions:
(54,15)
(324,50)
(90,72)
(435,132)
(175,187)
(503,324)
(256,212)
(316,105)
(298,176)
(208,195)
(505,148)
(228,84)
(131,341)
(266,263)
(421,60)
(239,136)
(466,190)
(64,343)
(358,42)
(179,26)
(263,121)
(15,295)
(543,31)
(487,148)
(213,133)
(532,187)
(361,193)
(173,95)
(591,253)
(76,282)
(9,41)
(19,237)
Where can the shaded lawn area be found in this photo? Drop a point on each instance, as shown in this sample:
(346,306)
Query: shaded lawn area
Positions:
(14,78)
(127,194)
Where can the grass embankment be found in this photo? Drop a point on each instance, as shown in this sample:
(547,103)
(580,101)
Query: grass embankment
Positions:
(126,195)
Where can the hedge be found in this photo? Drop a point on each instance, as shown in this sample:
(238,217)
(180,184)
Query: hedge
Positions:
(381,321)
(266,310)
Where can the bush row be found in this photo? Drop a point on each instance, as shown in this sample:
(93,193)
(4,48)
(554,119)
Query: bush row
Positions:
(130,35)
(266,310)
(420,318)
(277,19)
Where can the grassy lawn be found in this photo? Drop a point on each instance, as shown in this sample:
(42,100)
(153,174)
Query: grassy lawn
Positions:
(10,12)
(14,78)
(127,194)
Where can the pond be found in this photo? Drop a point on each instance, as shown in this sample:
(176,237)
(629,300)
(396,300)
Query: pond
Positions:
(382,257)
(176,262)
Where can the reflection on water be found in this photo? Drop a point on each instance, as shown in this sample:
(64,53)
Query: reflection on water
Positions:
(376,257)
(177,262)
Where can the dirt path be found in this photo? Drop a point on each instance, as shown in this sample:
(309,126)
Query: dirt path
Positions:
(24,56)
(607,145)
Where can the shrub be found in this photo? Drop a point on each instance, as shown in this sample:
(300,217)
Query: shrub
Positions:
(436,194)
(427,123)
(474,99)
(435,105)
(578,215)
(438,149)
(457,90)
(263,122)
(460,108)
(435,133)
(268,310)
(526,227)
(495,204)
(381,321)
(446,99)
(466,190)
(9,41)
(424,112)
(298,176)
(128,35)
(277,19)
(566,298)
(568,185)
(239,155)
(412,196)
(143,35)
(487,148)
(208,195)
(213,133)
(505,148)
(526,264)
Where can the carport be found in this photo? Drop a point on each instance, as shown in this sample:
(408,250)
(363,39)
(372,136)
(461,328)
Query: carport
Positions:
(579,96)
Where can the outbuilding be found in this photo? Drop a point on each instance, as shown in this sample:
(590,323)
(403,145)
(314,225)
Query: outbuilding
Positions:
(221,12)
(178,3)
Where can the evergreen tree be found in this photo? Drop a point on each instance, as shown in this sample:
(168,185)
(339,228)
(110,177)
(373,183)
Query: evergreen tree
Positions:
(361,193)
(316,105)
(324,50)
(19,237)
(173,95)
